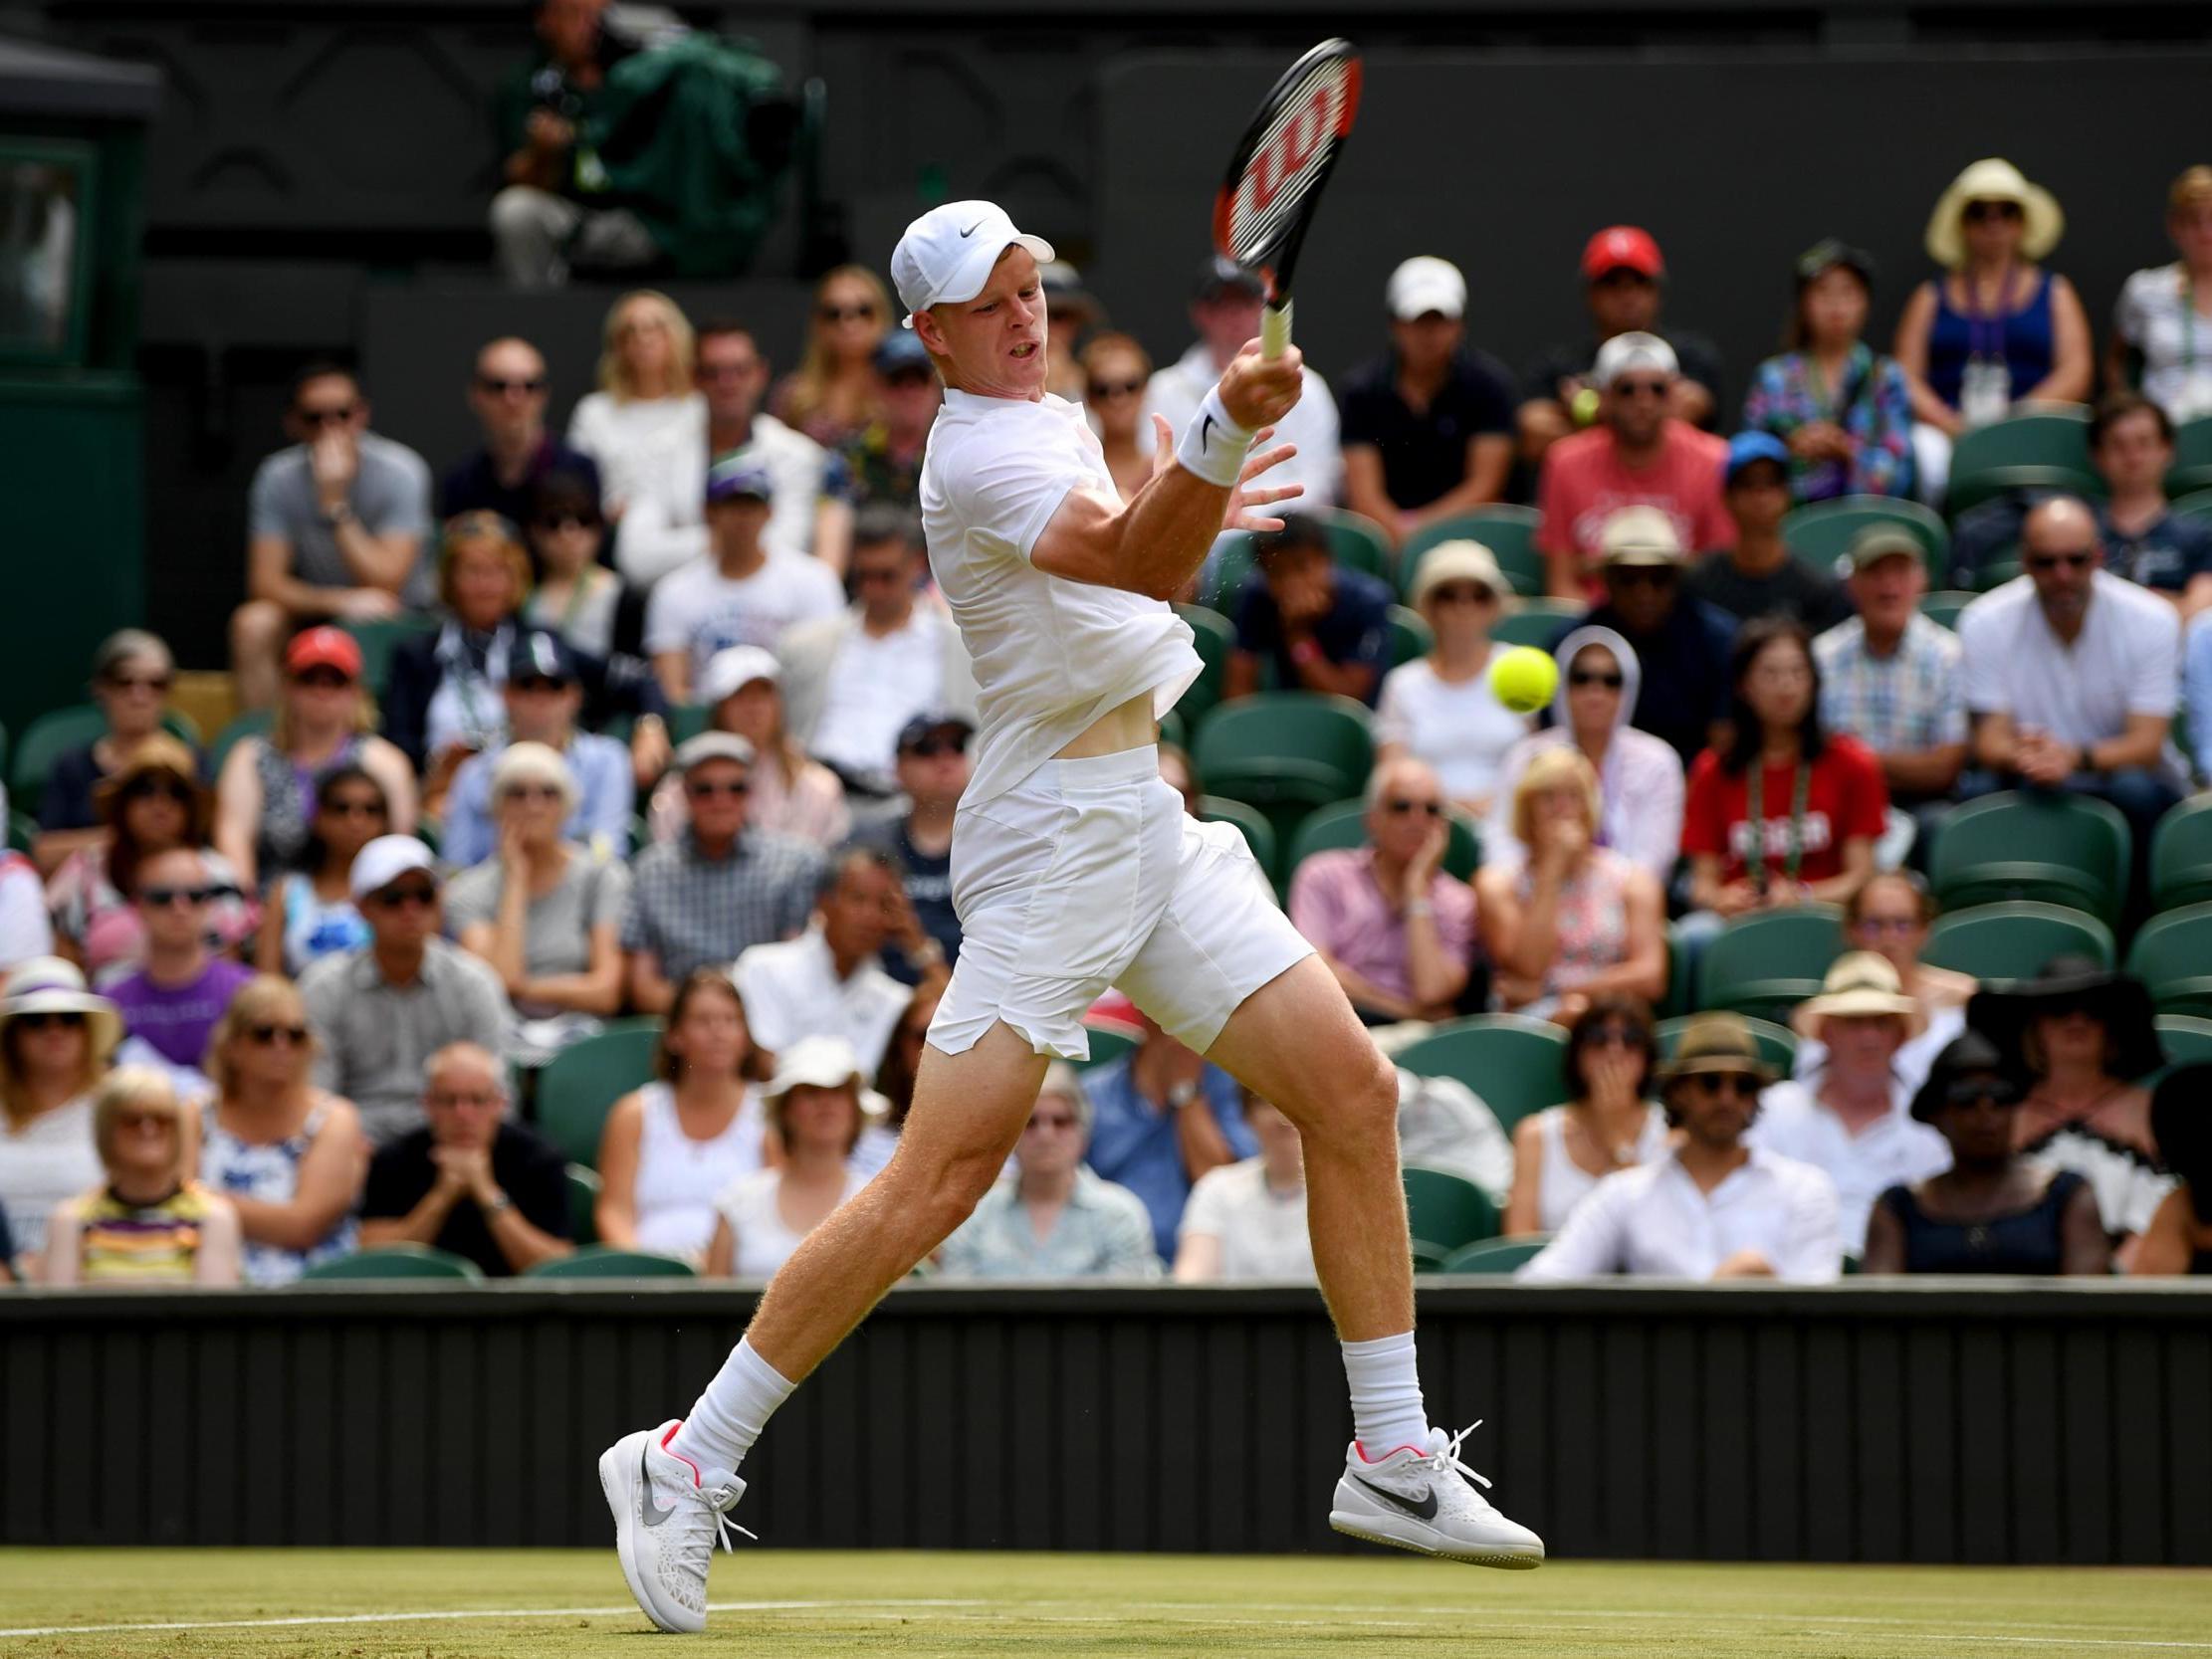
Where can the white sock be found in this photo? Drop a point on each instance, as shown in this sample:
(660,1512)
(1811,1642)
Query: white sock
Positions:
(1387,1412)
(729,1416)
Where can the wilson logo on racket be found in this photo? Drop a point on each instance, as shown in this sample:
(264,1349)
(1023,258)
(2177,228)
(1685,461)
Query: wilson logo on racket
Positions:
(1293,149)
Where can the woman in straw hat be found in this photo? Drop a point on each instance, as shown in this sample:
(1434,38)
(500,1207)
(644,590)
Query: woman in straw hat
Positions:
(1996,328)
(2162,327)
(1853,1120)
(56,1041)
(1992,1210)
(1440,708)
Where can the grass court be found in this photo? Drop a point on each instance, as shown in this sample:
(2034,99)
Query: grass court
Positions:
(572,1604)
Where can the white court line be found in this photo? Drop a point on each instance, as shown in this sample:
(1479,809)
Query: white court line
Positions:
(467,1614)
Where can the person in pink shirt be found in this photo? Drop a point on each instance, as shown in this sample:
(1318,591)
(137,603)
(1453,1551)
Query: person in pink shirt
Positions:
(1394,928)
(1638,455)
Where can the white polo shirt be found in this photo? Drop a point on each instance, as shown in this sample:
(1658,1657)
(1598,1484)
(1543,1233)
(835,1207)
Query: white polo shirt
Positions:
(1050,654)
(1177,391)
(1893,1150)
(699,610)
(1654,1222)
(2127,660)
(791,990)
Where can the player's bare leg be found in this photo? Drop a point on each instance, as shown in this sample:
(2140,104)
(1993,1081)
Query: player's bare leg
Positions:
(671,1487)
(1296,1042)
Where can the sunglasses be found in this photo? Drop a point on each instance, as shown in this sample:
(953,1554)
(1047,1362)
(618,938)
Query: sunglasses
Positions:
(470,1097)
(1614,1036)
(129,1121)
(2054,561)
(353,806)
(706,791)
(319,418)
(500,388)
(1718,1084)
(51,1020)
(1102,389)
(1401,808)
(846,313)
(930,749)
(140,683)
(1886,927)
(269,1035)
(323,679)
(399,897)
(1592,677)
(537,683)
(171,789)
(533,793)
(1644,575)
(160,897)
(1639,388)
(1981,213)
(566,522)
(1053,1121)
(1992,1092)
(1462,593)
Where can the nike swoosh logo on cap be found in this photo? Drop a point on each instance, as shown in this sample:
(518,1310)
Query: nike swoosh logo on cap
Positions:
(655,1514)
(1423,1509)
(972,229)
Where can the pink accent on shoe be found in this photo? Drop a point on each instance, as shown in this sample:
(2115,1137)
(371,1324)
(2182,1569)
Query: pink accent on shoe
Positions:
(1392,1452)
(687,1462)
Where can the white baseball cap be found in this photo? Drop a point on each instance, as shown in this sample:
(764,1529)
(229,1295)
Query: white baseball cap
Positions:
(734,667)
(1634,350)
(1425,284)
(949,253)
(386,858)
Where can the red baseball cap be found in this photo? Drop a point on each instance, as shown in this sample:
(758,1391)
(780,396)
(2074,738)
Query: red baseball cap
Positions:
(323,647)
(1622,247)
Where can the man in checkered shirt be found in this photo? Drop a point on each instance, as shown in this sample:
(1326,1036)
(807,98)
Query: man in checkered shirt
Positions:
(1891,678)
(718,889)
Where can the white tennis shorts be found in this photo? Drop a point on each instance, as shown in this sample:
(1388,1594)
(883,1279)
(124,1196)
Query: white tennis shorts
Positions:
(1089,874)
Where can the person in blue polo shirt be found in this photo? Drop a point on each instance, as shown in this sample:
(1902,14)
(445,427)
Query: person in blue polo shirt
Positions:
(1320,626)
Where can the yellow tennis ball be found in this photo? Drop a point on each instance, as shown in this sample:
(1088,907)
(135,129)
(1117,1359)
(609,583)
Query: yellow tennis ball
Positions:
(1524,678)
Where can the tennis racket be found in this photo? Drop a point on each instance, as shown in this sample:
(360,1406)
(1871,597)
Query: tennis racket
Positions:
(1278,170)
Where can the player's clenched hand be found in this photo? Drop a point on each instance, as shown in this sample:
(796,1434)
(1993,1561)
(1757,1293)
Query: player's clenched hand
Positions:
(1259,391)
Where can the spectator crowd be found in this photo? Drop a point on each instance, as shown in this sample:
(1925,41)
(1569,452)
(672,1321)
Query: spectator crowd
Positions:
(578,869)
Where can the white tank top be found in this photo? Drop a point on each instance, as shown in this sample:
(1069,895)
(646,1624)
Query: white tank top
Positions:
(678,1177)
(1563,1183)
(764,1242)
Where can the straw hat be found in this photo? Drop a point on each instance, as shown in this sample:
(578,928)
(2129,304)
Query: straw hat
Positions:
(51,985)
(1458,561)
(1993,180)
(1716,1043)
(1858,985)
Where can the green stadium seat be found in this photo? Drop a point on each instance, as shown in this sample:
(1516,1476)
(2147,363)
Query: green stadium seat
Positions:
(1344,824)
(380,638)
(2193,460)
(2186,1038)
(1215,637)
(581,1085)
(1942,608)
(254,723)
(1514,1063)
(396,1261)
(584,1204)
(2181,856)
(1447,1210)
(1537,622)
(2011,939)
(1682,994)
(1108,1042)
(1818,533)
(1409,635)
(57,731)
(23,829)
(1173,730)
(1508,532)
(1494,1255)
(1777,1043)
(1428,1257)
(1285,753)
(603,1261)
(2172,955)
(1259,834)
(1997,571)
(2062,849)
(2045,449)
(2198,505)
(1764,964)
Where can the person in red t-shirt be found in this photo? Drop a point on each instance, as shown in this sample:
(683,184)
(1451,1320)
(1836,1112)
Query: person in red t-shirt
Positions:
(1787,814)
(1638,455)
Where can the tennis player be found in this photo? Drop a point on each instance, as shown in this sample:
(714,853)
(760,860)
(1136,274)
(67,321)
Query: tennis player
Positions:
(1076,868)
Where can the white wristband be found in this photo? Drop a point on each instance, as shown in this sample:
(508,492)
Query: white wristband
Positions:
(1213,446)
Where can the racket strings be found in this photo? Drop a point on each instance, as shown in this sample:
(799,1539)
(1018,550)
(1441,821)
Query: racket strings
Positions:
(1254,229)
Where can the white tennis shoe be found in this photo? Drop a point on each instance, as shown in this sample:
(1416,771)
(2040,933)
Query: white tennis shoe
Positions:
(1427,1502)
(668,1516)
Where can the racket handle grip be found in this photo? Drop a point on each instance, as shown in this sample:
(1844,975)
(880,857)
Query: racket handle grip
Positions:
(1275,330)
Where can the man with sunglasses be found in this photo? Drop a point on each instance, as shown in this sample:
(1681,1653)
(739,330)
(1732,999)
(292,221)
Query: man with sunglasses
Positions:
(508,395)
(883,464)
(380,1012)
(720,887)
(854,682)
(1716,1208)
(336,526)
(934,769)
(172,1002)
(2073,676)
(1639,454)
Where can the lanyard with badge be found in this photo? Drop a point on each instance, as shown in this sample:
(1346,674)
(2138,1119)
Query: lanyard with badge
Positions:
(1985,388)
(1801,794)
(2195,395)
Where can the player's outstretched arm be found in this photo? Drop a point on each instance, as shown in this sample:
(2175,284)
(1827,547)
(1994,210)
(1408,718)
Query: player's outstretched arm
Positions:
(1153,544)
